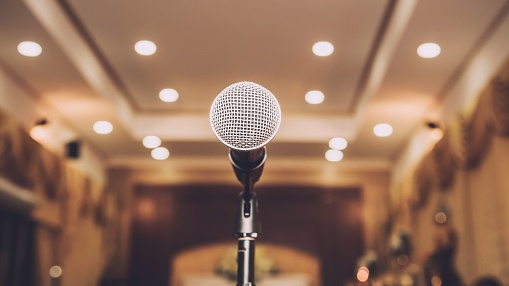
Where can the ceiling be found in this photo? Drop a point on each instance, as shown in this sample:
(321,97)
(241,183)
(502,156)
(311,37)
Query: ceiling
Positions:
(89,71)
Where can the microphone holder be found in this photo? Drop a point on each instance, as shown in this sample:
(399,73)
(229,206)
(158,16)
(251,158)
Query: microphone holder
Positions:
(247,228)
(247,224)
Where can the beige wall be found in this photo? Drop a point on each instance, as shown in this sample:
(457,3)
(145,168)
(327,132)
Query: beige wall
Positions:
(73,232)
(479,206)
(467,171)
(73,213)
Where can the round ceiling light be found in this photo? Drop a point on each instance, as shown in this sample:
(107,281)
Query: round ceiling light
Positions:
(145,48)
(323,49)
(29,49)
(151,141)
(314,97)
(103,127)
(160,153)
(338,143)
(333,155)
(429,50)
(383,130)
(168,95)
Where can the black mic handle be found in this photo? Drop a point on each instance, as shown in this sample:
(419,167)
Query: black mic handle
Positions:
(248,166)
(248,160)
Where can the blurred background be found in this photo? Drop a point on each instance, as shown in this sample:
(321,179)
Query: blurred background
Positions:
(389,168)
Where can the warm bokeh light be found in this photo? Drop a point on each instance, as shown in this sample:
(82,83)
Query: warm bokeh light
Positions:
(103,127)
(441,217)
(323,49)
(333,155)
(146,209)
(55,271)
(314,97)
(168,95)
(402,260)
(436,281)
(145,48)
(363,274)
(29,49)
(151,141)
(39,133)
(338,143)
(428,50)
(160,153)
(383,130)
(436,134)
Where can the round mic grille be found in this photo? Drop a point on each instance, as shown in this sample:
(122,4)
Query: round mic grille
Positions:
(245,116)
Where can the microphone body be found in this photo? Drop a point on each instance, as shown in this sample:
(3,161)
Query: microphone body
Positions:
(245,116)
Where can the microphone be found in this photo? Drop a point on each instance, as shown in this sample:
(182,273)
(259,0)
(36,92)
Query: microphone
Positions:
(245,116)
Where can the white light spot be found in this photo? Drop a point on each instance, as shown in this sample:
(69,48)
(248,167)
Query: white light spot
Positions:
(145,48)
(314,97)
(151,141)
(103,127)
(160,153)
(333,155)
(168,95)
(323,49)
(338,143)
(29,49)
(428,50)
(382,130)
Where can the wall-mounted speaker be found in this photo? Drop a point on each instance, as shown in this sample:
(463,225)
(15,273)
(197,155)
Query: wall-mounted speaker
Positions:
(72,149)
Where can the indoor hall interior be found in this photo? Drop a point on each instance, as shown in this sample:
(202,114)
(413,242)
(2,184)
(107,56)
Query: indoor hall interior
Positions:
(385,157)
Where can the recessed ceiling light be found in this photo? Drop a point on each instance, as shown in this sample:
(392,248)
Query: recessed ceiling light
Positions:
(168,95)
(334,155)
(338,143)
(323,49)
(103,127)
(29,49)
(151,141)
(428,50)
(382,130)
(314,97)
(145,48)
(160,153)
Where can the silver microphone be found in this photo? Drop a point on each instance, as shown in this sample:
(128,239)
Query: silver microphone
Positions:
(245,116)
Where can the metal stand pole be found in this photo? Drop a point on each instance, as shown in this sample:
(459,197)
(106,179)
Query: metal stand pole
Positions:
(247,225)
(247,229)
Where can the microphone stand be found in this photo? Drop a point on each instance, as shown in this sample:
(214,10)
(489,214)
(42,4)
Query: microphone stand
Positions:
(247,225)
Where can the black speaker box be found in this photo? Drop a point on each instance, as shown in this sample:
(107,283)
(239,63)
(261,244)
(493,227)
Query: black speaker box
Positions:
(73,149)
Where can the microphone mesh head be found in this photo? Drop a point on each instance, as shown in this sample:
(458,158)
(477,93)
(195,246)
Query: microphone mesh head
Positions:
(245,116)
